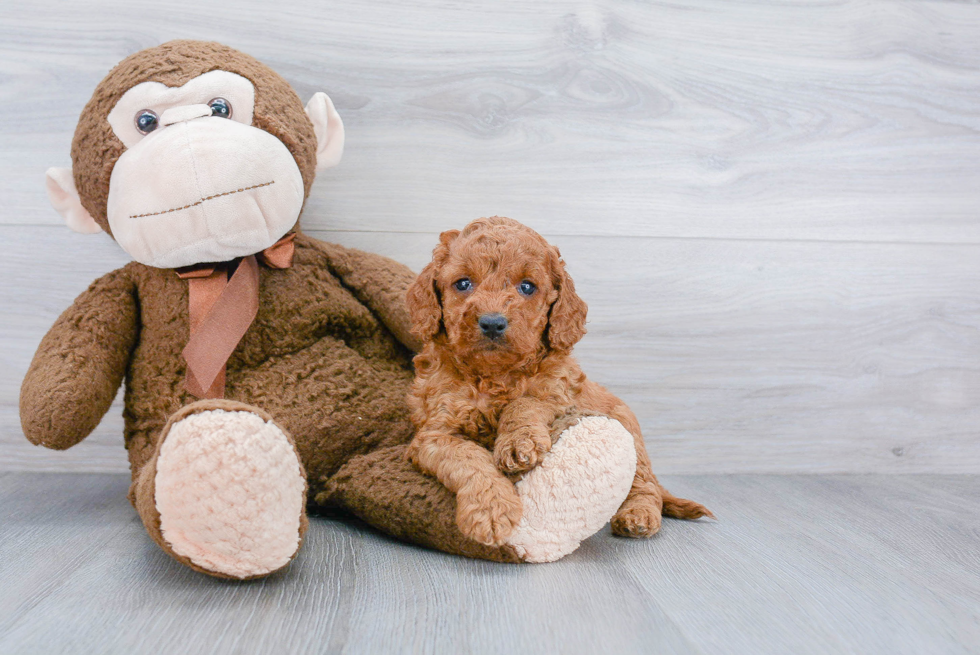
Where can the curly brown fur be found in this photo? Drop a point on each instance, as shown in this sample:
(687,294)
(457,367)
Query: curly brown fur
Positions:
(484,403)
(335,379)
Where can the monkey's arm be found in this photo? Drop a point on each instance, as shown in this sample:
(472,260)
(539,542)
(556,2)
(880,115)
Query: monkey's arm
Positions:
(378,282)
(80,364)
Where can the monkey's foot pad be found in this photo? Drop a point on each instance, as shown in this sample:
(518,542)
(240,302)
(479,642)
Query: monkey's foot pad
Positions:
(230,492)
(575,490)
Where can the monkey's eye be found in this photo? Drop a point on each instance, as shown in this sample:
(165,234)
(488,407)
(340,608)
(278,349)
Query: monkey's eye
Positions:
(526,287)
(220,107)
(146,121)
(463,284)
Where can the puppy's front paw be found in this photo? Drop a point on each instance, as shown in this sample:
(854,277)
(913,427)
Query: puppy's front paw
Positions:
(637,521)
(488,514)
(522,449)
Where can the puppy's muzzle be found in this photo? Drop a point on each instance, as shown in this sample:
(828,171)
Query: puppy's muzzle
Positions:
(493,326)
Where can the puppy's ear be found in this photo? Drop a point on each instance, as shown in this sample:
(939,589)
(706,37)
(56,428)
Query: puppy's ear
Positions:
(566,322)
(423,304)
(423,296)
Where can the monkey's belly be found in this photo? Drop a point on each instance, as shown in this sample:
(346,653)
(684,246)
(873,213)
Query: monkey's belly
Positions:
(334,402)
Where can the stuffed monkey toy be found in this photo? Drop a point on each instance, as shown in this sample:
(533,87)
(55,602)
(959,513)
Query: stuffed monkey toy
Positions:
(265,372)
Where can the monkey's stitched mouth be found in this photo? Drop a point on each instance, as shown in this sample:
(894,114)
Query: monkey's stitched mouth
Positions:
(204,200)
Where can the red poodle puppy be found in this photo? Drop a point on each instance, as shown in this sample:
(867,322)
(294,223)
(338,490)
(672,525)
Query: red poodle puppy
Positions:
(499,316)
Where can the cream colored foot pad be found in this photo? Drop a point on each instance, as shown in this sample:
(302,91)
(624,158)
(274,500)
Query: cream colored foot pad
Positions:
(575,490)
(230,493)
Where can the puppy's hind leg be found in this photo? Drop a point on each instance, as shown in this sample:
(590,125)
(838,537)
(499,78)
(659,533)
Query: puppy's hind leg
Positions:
(639,516)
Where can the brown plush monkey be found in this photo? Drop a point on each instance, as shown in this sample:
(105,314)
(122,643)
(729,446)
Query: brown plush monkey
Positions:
(266,371)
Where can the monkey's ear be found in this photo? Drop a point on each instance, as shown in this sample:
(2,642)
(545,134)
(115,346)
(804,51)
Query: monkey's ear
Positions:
(329,130)
(63,196)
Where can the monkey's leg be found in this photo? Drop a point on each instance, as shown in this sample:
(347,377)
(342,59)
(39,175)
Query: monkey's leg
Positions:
(576,488)
(225,492)
(384,489)
(570,495)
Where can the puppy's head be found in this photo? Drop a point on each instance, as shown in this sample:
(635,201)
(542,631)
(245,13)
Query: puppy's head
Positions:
(498,292)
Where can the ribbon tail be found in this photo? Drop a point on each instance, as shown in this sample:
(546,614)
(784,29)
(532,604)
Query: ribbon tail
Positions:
(220,331)
(217,389)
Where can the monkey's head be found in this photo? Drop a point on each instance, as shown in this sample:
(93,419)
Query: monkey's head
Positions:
(192,152)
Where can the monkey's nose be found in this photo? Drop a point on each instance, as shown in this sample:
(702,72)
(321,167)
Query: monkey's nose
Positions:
(184,113)
(493,325)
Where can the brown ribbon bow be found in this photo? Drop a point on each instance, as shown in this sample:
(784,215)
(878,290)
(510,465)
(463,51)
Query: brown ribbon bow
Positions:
(221,310)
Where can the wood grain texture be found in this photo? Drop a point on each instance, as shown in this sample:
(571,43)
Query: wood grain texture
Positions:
(741,356)
(796,564)
(819,120)
(770,207)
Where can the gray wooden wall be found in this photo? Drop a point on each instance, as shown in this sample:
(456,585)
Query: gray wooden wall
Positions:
(771,207)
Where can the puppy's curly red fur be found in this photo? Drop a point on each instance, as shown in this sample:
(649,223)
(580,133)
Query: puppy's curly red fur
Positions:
(484,398)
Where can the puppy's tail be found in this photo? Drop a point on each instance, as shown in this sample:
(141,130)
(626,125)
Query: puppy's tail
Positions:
(681,508)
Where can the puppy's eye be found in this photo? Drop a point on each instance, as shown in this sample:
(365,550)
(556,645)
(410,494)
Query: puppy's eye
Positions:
(526,288)
(146,121)
(463,284)
(220,108)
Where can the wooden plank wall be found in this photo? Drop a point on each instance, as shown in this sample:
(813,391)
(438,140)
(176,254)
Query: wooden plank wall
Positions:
(771,207)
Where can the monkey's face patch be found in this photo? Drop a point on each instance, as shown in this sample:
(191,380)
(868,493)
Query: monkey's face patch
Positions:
(198,182)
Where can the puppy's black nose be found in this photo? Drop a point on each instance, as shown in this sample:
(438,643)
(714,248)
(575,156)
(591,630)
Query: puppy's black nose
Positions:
(493,325)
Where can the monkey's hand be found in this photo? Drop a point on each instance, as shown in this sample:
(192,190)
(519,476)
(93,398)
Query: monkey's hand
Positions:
(80,364)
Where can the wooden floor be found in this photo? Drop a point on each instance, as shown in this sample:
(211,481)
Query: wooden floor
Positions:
(795,564)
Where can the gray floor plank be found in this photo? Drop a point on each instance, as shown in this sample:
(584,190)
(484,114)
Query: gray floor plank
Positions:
(801,564)
(827,564)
